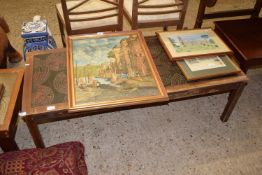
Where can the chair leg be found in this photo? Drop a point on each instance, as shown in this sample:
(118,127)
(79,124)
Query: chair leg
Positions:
(180,25)
(134,27)
(244,69)
(13,55)
(61,27)
(8,144)
(3,60)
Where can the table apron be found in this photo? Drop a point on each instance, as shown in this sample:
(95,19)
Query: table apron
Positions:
(199,92)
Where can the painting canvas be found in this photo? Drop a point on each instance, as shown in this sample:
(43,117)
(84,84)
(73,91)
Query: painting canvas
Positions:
(184,44)
(111,70)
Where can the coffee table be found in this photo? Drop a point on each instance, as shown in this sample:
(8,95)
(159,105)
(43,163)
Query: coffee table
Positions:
(49,103)
(10,106)
(244,37)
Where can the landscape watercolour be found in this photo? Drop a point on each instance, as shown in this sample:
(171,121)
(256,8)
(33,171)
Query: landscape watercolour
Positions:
(192,43)
(183,44)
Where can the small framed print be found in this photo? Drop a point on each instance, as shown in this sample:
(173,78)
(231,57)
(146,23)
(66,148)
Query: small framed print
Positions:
(198,64)
(207,67)
(191,43)
(111,70)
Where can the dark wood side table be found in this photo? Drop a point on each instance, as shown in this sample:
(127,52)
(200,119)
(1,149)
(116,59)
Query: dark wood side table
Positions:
(10,106)
(48,81)
(244,37)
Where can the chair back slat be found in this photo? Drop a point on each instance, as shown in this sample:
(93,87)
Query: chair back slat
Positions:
(144,8)
(242,12)
(93,11)
(159,12)
(202,15)
(161,5)
(94,18)
(143,1)
(70,14)
(77,5)
(111,2)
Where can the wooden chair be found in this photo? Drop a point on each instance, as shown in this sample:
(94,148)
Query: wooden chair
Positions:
(155,13)
(89,16)
(202,15)
(243,36)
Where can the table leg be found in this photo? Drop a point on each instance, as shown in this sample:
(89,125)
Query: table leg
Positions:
(34,131)
(8,144)
(244,68)
(232,100)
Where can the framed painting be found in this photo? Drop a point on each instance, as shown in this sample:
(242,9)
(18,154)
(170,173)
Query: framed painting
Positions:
(191,43)
(111,70)
(11,97)
(207,67)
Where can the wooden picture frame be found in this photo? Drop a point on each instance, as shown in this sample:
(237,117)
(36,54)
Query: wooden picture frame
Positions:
(191,43)
(12,80)
(2,89)
(111,70)
(224,66)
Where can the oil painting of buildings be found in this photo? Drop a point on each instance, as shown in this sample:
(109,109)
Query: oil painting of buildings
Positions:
(111,69)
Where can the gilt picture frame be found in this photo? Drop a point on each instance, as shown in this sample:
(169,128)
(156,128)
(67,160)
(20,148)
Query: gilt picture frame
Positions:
(185,44)
(111,70)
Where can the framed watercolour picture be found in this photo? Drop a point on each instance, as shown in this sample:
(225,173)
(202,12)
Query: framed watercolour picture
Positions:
(207,67)
(111,70)
(191,43)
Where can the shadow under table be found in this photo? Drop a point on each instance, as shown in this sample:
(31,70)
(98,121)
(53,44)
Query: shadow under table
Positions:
(48,103)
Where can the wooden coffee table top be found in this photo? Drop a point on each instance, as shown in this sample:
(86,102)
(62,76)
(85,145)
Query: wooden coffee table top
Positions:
(245,35)
(45,86)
